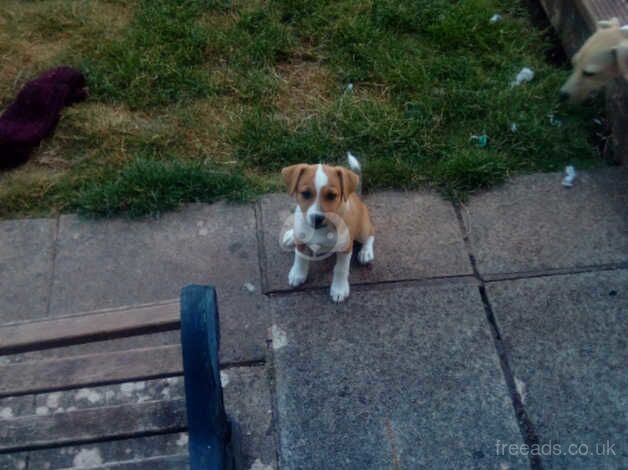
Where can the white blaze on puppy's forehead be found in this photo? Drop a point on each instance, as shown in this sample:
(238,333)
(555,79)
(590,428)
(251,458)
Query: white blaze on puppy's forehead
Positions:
(321,179)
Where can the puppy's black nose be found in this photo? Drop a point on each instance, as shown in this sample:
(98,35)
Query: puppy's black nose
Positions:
(564,96)
(317,220)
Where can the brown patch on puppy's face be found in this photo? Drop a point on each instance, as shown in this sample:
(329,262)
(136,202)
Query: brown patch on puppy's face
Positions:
(300,182)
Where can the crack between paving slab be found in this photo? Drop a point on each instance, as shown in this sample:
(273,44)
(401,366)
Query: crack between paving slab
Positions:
(554,272)
(375,284)
(526,427)
(53,261)
(274,404)
(261,249)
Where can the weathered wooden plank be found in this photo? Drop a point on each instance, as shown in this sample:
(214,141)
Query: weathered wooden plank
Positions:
(92,424)
(162,450)
(88,370)
(90,326)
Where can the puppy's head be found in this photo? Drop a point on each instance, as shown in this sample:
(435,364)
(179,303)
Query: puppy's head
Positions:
(320,190)
(603,57)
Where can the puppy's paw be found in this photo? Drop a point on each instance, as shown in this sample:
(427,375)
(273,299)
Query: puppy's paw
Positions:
(296,277)
(288,239)
(366,255)
(339,291)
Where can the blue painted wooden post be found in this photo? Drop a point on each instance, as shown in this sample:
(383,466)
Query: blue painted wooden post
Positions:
(209,431)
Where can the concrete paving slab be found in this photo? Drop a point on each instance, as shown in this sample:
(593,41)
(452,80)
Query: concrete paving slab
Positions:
(534,224)
(566,339)
(417,236)
(400,377)
(118,262)
(26,252)
(247,398)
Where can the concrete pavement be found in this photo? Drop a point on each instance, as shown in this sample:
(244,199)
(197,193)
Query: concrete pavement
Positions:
(496,322)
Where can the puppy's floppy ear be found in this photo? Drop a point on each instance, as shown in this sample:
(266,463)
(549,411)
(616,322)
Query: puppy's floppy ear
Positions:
(348,182)
(291,175)
(621,56)
(606,24)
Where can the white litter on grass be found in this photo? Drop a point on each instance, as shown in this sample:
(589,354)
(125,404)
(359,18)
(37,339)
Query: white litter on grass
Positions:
(349,87)
(88,458)
(554,120)
(513,127)
(249,287)
(570,176)
(496,18)
(525,75)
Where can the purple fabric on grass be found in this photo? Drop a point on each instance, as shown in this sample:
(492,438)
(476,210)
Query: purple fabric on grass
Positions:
(35,113)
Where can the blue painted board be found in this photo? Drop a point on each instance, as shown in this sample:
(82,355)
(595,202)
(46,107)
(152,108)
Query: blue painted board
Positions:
(209,431)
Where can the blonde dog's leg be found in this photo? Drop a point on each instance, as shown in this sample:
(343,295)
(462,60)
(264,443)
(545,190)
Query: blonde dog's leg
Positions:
(340,283)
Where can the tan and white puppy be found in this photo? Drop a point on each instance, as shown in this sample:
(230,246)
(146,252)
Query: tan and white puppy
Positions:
(602,58)
(328,218)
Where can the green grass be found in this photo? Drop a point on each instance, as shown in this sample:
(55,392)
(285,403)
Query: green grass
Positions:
(151,186)
(194,100)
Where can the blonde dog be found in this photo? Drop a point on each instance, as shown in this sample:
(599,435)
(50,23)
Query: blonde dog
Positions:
(602,58)
(328,218)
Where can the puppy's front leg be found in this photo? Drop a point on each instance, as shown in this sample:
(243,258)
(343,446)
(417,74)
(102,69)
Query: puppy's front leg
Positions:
(340,284)
(300,268)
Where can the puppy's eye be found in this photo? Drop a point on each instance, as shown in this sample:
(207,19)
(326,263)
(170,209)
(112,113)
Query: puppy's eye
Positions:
(306,194)
(586,73)
(331,196)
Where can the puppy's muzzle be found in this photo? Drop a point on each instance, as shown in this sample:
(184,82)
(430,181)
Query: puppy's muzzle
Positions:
(317,220)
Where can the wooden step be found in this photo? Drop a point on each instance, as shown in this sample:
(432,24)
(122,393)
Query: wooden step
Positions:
(89,370)
(91,326)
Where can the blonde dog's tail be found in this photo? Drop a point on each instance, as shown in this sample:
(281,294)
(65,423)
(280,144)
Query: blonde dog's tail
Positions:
(355,166)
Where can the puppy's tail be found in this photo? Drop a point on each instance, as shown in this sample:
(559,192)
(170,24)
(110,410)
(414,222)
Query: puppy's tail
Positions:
(355,166)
